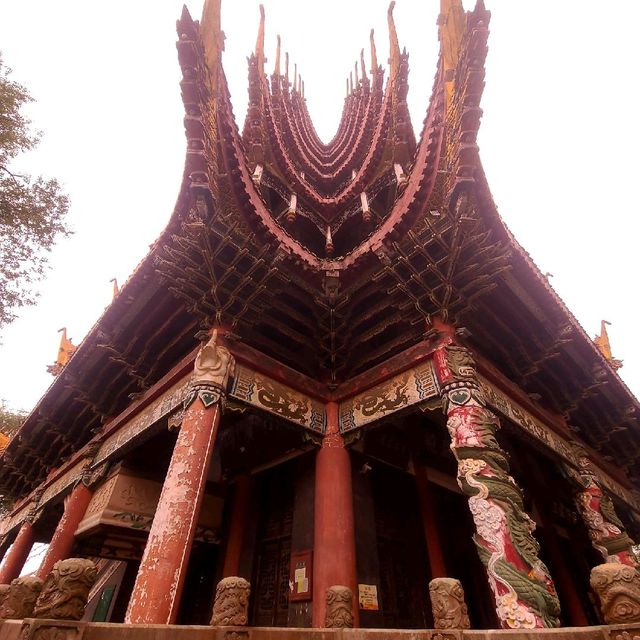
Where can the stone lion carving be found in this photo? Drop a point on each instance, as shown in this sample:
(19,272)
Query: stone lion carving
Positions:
(4,592)
(339,607)
(20,598)
(448,605)
(66,590)
(618,588)
(230,608)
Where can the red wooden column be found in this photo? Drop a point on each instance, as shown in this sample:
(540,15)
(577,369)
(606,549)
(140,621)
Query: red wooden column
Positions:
(239,515)
(430,523)
(158,587)
(334,537)
(61,545)
(18,554)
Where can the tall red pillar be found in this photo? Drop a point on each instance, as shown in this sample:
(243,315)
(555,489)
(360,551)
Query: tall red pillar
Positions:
(239,514)
(61,545)
(334,535)
(158,587)
(430,523)
(18,554)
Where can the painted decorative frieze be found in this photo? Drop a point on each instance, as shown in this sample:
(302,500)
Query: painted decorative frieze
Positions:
(399,392)
(267,394)
(524,593)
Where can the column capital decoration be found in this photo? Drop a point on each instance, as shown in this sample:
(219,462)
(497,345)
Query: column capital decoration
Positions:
(213,367)
(522,587)
(35,510)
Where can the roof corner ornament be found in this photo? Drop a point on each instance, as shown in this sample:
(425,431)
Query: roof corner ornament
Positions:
(374,56)
(212,37)
(65,351)
(276,69)
(213,367)
(394,46)
(260,43)
(604,346)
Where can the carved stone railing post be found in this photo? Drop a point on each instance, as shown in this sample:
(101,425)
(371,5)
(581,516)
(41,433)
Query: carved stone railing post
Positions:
(448,605)
(522,587)
(156,593)
(618,588)
(231,605)
(20,598)
(606,531)
(66,590)
(339,612)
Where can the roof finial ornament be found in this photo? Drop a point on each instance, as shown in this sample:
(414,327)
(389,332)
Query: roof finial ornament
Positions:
(451,26)
(116,289)
(260,42)
(276,70)
(212,37)
(394,47)
(374,56)
(355,66)
(604,346)
(350,81)
(295,77)
(65,351)
(363,67)
(286,70)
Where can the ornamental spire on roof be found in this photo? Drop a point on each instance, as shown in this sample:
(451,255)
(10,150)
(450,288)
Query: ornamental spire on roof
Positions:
(604,346)
(212,38)
(65,351)
(451,22)
(260,43)
(276,69)
(374,57)
(394,46)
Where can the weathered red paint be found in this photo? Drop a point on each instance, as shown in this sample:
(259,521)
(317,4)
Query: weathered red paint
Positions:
(17,556)
(239,515)
(430,524)
(156,593)
(334,537)
(61,545)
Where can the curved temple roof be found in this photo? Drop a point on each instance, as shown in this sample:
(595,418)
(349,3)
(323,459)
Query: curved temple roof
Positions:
(330,258)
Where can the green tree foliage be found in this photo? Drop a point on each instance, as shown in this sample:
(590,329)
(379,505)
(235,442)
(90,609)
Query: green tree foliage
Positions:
(32,210)
(10,420)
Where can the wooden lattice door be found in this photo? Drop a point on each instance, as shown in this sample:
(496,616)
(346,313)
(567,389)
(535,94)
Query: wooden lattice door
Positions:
(273,549)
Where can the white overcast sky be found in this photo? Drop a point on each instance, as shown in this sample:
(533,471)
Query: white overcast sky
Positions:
(559,138)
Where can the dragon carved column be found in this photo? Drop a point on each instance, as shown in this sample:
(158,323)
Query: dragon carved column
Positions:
(156,593)
(522,587)
(606,531)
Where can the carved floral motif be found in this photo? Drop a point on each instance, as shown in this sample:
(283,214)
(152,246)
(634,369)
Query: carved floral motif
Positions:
(231,605)
(618,588)
(66,590)
(339,607)
(20,598)
(448,605)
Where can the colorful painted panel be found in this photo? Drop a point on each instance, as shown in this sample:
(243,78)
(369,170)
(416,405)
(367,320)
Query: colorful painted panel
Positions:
(514,412)
(403,390)
(269,395)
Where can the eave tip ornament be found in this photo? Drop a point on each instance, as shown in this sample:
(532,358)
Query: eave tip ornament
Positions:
(65,351)
(604,346)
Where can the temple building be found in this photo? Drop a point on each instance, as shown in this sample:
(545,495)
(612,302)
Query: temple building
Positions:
(336,366)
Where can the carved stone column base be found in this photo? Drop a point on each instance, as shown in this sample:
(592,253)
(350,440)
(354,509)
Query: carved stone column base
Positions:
(448,605)
(618,588)
(20,598)
(66,590)
(52,630)
(339,607)
(231,606)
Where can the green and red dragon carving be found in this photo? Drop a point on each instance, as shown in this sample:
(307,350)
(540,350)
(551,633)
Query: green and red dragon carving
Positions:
(524,592)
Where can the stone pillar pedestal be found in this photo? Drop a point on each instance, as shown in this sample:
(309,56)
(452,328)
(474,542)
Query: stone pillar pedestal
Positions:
(20,599)
(18,554)
(61,545)
(448,605)
(239,514)
(158,587)
(231,606)
(522,587)
(339,613)
(618,588)
(334,537)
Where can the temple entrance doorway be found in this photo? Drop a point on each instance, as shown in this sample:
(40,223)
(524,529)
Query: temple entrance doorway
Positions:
(404,575)
(270,592)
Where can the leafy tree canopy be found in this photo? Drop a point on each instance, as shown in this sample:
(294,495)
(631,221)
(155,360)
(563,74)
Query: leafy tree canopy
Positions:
(32,210)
